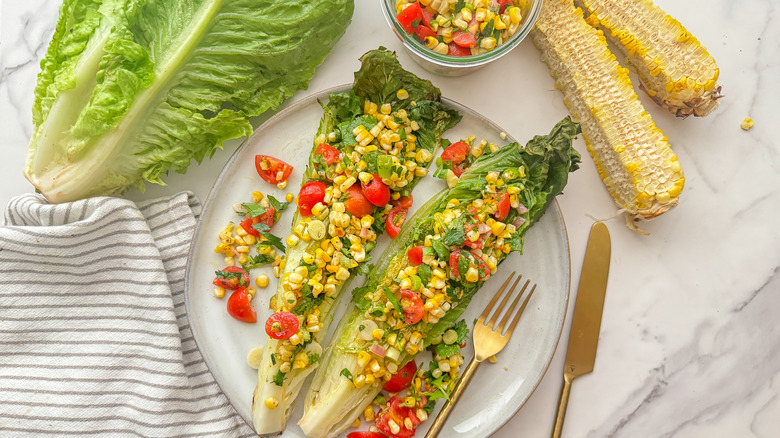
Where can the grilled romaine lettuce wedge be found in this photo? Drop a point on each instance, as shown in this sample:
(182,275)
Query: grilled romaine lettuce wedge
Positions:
(464,232)
(384,132)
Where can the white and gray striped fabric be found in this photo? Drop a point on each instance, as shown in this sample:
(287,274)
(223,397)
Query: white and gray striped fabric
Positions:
(94,337)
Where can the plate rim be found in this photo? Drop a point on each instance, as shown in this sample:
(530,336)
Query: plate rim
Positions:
(229,163)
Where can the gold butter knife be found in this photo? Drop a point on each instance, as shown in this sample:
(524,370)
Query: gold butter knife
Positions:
(586,323)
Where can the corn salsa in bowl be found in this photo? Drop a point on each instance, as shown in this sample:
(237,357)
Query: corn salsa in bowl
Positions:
(454,37)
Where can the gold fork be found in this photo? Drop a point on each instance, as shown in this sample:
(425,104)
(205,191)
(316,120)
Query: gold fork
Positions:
(488,340)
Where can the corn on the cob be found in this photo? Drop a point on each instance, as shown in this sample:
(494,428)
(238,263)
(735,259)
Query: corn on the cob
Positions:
(632,155)
(676,71)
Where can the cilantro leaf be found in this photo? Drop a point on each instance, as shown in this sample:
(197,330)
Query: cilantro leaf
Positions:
(462,330)
(265,231)
(392,299)
(258,260)
(445,350)
(424,272)
(313,357)
(441,249)
(253,209)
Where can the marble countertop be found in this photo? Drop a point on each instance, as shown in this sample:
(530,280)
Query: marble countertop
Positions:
(690,344)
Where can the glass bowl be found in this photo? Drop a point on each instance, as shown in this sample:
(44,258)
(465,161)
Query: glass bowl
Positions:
(448,65)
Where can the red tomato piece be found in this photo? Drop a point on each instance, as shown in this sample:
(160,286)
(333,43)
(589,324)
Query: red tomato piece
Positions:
(412,306)
(394,411)
(454,257)
(402,378)
(415,255)
(265,218)
(476,244)
(394,220)
(427,15)
(457,153)
(409,15)
(404,201)
(311,193)
(503,207)
(376,191)
(356,203)
(464,39)
(272,170)
(423,31)
(328,152)
(456,50)
(365,434)
(281,325)
(502,5)
(238,306)
(481,266)
(236,277)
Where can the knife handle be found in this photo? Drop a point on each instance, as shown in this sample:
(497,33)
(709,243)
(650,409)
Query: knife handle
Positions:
(563,402)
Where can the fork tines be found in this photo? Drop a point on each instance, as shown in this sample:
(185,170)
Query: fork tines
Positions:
(501,309)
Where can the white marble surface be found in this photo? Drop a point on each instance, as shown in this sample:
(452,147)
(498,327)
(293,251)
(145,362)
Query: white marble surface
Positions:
(690,344)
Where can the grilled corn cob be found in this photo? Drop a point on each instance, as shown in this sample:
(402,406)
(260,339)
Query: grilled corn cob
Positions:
(676,71)
(632,155)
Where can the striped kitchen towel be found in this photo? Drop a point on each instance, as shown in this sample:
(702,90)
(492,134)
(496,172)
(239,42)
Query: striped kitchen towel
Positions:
(94,337)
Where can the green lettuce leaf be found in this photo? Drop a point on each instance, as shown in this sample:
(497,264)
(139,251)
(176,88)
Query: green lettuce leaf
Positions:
(130,90)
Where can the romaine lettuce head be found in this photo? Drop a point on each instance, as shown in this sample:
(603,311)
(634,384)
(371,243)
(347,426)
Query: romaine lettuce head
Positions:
(131,89)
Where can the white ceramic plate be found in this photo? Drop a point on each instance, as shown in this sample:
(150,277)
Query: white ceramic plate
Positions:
(499,390)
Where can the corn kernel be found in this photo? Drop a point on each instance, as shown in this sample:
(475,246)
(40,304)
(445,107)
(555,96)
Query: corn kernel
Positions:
(377,334)
(368,413)
(271,402)
(402,94)
(219,292)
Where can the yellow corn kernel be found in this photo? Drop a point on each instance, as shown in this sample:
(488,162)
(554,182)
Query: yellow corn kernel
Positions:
(363,358)
(356,423)
(257,197)
(441,48)
(271,402)
(472,275)
(360,381)
(498,24)
(261,280)
(368,413)
(377,334)
(219,292)
(292,240)
(747,124)
(493,359)
(230,261)
(402,94)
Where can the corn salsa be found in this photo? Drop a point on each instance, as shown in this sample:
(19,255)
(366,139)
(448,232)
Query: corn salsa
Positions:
(462,28)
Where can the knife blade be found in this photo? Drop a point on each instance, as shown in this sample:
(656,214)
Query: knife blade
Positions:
(586,322)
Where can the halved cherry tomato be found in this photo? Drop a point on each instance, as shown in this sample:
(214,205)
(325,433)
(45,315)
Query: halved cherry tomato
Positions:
(238,306)
(409,15)
(265,218)
(423,31)
(356,203)
(404,201)
(376,191)
(328,152)
(415,255)
(503,207)
(394,220)
(456,50)
(412,306)
(269,169)
(457,153)
(311,193)
(402,378)
(281,325)
(394,411)
(237,277)
(365,434)
(464,39)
